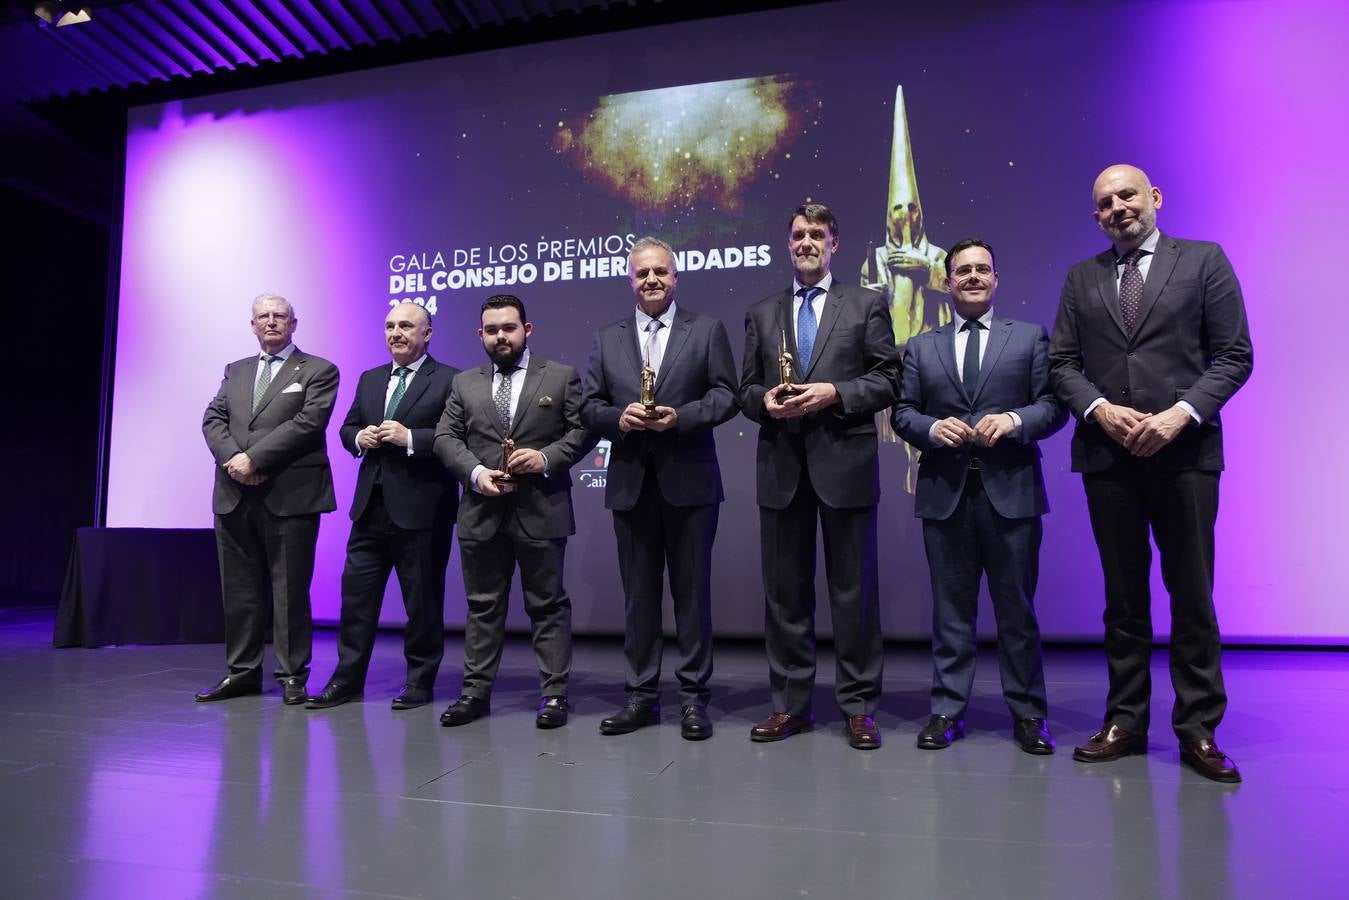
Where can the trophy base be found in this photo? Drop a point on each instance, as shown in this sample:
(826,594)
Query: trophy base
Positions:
(507,484)
(650,412)
(789,392)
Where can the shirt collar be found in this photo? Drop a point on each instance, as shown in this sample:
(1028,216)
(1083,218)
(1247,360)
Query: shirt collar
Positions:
(1148,246)
(283,354)
(414,365)
(985,320)
(824,283)
(666,318)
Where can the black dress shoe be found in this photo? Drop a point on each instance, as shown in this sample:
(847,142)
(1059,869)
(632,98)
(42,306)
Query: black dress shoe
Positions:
(939,732)
(694,725)
(1032,735)
(334,693)
(1111,742)
(293,691)
(232,686)
(633,716)
(465,710)
(552,712)
(412,697)
(1206,759)
(862,733)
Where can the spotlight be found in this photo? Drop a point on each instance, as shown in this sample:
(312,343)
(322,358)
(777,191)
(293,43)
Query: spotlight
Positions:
(56,12)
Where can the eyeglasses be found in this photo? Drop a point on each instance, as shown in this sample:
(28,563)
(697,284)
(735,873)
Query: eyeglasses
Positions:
(271,317)
(962,271)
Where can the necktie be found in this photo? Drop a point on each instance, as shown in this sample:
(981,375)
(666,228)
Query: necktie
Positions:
(653,344)
(502,397)
(1130,291)
(969,374)
(264,381)
(399,390)
(806,326)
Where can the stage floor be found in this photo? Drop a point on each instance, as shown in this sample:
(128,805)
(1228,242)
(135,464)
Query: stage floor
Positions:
(114,783)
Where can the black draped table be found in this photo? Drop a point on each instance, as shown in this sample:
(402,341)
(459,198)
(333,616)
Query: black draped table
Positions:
(141,586)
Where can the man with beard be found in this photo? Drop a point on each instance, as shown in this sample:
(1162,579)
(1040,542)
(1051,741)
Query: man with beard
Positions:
(1149,343)
(510,432)
(974,397)
(817,460)
(266,430)
(663,484)
(402,515)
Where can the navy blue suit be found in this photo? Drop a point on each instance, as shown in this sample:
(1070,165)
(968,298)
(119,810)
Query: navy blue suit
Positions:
(402,518)
(664,489)
(981,506)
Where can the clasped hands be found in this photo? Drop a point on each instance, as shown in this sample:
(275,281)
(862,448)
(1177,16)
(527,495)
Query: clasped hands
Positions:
(1142,434)
(953,432)
(386,432)
(522,462)
(241,469)
(812,397)
(634,418)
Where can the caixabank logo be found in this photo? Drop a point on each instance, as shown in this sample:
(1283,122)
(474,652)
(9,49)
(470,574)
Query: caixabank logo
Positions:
(596,466)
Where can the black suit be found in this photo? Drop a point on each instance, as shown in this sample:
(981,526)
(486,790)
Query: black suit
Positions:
(402,520)
(664,489)
(527,528)
(981,506)
(1190,343)
(821,465)
(265,534)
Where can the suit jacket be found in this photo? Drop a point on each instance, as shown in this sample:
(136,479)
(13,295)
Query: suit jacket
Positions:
(418,491)
(696,378)
(1014,377)
(285,438)
(1191,343)
(547,418)
(855,350)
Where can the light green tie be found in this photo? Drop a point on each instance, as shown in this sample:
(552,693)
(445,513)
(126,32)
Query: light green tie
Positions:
(264,381)
(399,390)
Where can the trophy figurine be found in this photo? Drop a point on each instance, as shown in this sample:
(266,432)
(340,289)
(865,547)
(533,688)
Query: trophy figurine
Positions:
(649,391)
(785,372)
(506,482)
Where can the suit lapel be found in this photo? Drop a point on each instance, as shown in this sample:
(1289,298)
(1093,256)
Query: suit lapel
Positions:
(533,378)
(487,407)
(787,332)
(998,332)
(1159,272)
(946,352)
(1107,291)
(674,344)
(630,339)
(287,374)
(415,389)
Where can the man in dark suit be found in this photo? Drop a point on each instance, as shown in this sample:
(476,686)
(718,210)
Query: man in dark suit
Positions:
(663,483)
(817,459)
(402,516)
(265,429)
(525,519)
(1150,341)
(974,396)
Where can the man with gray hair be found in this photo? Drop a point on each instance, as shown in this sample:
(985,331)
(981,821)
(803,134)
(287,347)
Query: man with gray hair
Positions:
(660,380)
(265,429)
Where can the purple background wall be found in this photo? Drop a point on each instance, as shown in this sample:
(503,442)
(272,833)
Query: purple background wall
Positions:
(308,190)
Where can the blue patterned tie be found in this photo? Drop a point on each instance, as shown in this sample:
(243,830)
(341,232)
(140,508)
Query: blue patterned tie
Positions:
(806,326)
(399,390)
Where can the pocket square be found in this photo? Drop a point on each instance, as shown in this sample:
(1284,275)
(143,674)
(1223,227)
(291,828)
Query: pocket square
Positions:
(295,388)
(545,400)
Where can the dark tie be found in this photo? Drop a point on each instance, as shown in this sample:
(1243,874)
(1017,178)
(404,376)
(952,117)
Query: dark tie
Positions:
(264,381)
(806,326)
(969,374)
(1130,290)
(653,344)
(502,397)
(399,390)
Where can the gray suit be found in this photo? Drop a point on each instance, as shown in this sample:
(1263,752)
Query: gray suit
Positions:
(664,489)
(265,534)
(528,527)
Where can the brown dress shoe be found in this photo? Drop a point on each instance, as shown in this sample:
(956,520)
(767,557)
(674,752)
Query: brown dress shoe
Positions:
(862,733)
(1111,742)
(1206,759)
(779,726)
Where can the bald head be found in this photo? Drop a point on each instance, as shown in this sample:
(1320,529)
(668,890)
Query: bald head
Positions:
(407,331)
(1126,204)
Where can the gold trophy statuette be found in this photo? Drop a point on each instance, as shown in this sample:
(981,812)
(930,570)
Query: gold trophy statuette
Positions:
(649,391)
(506,482)
(785,372)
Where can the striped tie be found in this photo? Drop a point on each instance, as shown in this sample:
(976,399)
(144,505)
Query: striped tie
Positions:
(264,380)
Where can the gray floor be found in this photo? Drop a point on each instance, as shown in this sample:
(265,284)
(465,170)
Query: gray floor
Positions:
(113,783)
